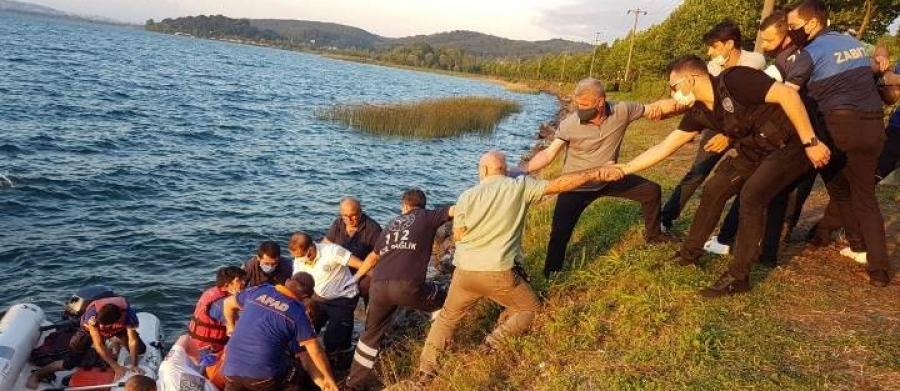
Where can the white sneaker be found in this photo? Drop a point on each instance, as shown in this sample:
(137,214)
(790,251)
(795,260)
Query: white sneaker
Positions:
(855,256)
(713,246)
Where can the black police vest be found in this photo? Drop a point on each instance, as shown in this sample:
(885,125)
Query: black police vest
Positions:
(758,129)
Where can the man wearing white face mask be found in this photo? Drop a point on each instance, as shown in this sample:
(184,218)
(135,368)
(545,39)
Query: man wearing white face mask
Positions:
(723,44)
(775,144)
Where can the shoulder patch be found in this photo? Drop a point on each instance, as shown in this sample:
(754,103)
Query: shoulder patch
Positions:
(728,105)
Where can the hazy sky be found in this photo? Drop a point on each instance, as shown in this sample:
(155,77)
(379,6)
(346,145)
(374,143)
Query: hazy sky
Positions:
(519,19)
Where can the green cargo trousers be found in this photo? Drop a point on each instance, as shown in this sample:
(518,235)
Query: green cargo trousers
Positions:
(506,288)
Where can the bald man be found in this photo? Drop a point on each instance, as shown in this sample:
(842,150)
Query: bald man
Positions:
(354,230)
(488,223)
(590,137)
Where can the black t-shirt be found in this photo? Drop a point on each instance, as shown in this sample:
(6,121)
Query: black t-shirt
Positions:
(363,240)
(747,86)
(404,246)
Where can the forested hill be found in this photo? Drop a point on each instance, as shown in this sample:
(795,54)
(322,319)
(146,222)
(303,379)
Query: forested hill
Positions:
(333,36)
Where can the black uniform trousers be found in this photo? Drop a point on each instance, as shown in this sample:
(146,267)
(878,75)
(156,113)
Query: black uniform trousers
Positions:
(570,205)
(859,137)
(385,299)
(758,182)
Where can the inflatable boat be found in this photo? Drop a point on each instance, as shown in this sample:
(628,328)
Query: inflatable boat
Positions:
(25,328)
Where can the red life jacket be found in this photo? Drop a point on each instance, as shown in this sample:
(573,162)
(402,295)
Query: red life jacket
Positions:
(109,330)
(205,329)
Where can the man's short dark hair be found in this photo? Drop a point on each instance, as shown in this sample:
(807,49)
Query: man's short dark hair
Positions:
(303,283)
(722,32)
(688,62)
(813,9)
(140,383)
(270,249)
(108,314)
(777,19)
(227,274)
(414,198)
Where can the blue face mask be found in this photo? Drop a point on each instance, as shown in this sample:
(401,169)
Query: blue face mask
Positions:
(267,268)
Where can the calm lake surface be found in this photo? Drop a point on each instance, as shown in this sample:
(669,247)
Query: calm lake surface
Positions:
(146,161)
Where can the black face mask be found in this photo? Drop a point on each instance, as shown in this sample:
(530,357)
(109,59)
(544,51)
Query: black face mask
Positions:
(586,115)
(798,36)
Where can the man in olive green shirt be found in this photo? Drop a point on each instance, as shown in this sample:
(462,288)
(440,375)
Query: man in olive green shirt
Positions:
(488,223)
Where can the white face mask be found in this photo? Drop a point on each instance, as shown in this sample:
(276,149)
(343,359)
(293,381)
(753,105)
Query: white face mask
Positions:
(719,60)
(684,99)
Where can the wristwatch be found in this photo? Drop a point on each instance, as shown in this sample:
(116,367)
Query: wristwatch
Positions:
(811,143)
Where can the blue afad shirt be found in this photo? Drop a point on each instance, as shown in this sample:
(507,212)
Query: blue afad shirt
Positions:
(268,333)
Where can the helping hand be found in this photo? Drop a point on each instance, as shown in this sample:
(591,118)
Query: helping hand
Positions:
(515,172)
(819,155)
(329,385)
(717,144)
(118,371)
(611,173)
(136,370)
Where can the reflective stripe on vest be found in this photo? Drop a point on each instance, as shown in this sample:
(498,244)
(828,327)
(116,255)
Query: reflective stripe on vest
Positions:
(204,328)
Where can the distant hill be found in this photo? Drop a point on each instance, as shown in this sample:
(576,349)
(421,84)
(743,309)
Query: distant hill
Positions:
(486,45)
(28,8)
(40,10)
(322,33)
(347,37)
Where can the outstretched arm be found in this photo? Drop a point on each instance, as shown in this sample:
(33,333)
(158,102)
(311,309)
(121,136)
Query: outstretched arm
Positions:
(365,266)
(544,157)
(663,109)
(575,180)
(657,153)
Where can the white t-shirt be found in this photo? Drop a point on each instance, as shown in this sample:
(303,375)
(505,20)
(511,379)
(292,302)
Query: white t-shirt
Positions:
(178,373)
(329,269)
(748,59)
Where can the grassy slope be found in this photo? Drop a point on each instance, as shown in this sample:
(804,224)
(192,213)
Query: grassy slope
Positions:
(616,321)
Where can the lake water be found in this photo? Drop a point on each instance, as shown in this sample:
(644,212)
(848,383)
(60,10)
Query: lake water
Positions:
(145,161)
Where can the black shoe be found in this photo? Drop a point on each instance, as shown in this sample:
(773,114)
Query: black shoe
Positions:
(726,285)
(879,278)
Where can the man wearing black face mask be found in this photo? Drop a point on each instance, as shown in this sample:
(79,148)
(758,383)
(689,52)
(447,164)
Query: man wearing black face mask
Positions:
(592,137)
(838,76)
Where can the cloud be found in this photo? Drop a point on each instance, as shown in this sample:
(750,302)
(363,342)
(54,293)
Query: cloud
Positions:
(581,19)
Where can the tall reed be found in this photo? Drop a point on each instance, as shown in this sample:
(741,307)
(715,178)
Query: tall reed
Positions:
(432,118)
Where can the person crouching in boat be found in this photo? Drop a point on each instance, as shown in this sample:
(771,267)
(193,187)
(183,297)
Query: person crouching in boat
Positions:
(106,318)
(269,329)
(207,326)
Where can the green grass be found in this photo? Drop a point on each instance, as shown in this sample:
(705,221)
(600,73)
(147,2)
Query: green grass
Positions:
(621,318)
(432,118)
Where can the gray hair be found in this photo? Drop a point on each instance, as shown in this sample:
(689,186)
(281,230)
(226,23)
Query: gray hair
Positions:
(590,86)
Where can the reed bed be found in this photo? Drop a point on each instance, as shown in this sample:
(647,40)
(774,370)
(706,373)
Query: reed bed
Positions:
(432,118)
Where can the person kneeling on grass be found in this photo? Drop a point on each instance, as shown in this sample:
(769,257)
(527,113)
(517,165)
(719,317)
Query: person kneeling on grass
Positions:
(488,223)
(106,318)
(775,145)
(269,327)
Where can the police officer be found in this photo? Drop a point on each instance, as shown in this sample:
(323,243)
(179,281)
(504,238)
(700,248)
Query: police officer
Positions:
(772,134)
(838,76)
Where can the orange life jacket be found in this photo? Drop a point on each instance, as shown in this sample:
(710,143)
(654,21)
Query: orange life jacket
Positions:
(204,328)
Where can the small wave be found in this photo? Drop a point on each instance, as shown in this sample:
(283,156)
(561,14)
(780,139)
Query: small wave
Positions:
(9,148)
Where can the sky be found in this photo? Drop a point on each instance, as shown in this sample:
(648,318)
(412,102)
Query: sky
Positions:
(518,19)
(578,20)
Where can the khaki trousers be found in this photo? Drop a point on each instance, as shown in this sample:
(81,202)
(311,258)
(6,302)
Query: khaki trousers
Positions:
(467,287)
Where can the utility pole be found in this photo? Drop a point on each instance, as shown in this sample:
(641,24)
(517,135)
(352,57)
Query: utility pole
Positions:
(594,54)
(768,6)
(562,70)
(637,13)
